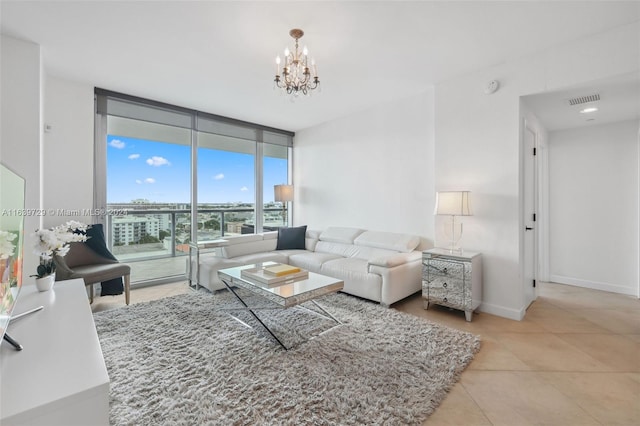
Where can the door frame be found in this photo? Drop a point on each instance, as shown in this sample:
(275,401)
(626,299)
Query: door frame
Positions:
(529,295)
(541,230)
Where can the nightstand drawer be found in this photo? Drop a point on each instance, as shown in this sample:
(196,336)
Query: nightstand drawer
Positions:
(446,290)
(444,268)
(446,284)
(435,285)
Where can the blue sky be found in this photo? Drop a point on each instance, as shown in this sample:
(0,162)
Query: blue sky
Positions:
(160,172)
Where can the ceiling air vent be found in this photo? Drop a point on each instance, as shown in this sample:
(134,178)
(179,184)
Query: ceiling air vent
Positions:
(584,99)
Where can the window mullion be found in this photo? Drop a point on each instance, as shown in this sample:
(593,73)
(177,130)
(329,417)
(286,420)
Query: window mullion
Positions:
(259,178)
(194,180)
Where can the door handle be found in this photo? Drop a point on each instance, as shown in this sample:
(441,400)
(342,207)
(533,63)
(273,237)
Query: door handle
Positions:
(526,228)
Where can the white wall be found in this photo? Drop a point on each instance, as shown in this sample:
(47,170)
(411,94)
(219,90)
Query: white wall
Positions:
(593,175)
(373,170)
(58,165)
(68,150)
(20,94)
(477,139)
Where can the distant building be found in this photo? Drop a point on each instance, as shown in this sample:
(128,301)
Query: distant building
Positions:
(234,227)
(164,221)
(129,229)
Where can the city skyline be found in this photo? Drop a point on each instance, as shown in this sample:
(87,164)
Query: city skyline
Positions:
(160,172)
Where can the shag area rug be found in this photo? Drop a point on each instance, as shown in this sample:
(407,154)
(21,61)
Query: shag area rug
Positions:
(185,361)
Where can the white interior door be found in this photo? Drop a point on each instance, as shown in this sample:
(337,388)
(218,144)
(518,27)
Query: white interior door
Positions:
(530,233)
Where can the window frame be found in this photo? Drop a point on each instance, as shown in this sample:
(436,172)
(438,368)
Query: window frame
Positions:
(122,105)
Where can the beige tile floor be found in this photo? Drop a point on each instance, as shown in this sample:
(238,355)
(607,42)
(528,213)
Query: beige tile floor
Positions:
(573,360)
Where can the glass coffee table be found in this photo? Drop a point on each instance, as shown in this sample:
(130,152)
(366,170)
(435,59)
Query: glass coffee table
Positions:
(282,295)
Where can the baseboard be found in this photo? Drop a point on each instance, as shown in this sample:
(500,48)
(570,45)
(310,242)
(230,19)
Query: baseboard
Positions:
(501,311)
(612,288)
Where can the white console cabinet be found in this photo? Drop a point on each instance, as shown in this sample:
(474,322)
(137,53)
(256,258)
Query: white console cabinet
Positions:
(60,377)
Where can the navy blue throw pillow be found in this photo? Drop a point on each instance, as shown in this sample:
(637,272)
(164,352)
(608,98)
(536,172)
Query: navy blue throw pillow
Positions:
(291,238)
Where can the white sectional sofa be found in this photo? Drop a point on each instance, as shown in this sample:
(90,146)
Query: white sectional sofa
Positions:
(381,266)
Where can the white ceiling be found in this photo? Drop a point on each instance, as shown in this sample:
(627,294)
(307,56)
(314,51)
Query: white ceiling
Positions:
(218,57)
(619,101)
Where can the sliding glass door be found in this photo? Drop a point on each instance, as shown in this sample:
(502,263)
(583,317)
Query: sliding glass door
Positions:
(148,168)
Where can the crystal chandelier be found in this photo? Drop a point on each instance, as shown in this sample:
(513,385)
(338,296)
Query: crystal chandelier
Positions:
(295,75)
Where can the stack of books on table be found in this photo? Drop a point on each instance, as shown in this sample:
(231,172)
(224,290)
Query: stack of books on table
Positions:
(276,274)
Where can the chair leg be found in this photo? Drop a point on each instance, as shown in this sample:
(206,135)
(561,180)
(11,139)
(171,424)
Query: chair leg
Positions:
(90,293)
(127,286)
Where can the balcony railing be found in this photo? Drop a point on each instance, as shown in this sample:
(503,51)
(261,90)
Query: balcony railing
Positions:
(175,230)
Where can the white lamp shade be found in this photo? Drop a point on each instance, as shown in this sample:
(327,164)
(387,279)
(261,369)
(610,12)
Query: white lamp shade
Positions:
(454,203)
(283,193)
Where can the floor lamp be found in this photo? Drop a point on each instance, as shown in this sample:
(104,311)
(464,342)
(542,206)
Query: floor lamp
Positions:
(453,203)
(284,194)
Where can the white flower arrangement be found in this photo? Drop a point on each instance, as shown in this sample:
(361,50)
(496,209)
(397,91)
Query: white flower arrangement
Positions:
(6,245)
(55,241)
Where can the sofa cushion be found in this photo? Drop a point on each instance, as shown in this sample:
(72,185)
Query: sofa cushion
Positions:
(253,246)
(242,239)
(289,253)
(340,235)
(312,239)
(355,274)
(352,269)
(267,256)
(291,238)
(388,240)
(364,252)
(311,261)
(340,249)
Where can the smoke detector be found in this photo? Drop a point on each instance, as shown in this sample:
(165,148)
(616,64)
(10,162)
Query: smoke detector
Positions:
(491,87)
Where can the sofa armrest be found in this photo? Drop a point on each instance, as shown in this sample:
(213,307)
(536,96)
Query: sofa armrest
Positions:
(401,275)
(396,259)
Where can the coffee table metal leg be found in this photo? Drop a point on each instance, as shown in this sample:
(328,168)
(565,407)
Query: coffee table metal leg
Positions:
(254,314)
(325,312)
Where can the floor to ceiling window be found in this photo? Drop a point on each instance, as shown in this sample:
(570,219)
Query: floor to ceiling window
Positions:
(275,169)
(179,175)
(226,186)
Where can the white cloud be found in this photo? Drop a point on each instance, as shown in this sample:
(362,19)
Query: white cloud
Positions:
(117,143)
(134,156)
(158,161)
(138,181)
(244,188)
(150,180)
(219,176)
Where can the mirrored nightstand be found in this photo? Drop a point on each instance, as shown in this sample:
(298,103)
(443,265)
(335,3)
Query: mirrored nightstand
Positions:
(452,279)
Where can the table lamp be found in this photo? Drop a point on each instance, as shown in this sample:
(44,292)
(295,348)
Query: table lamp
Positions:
(453,203)
(283,193)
